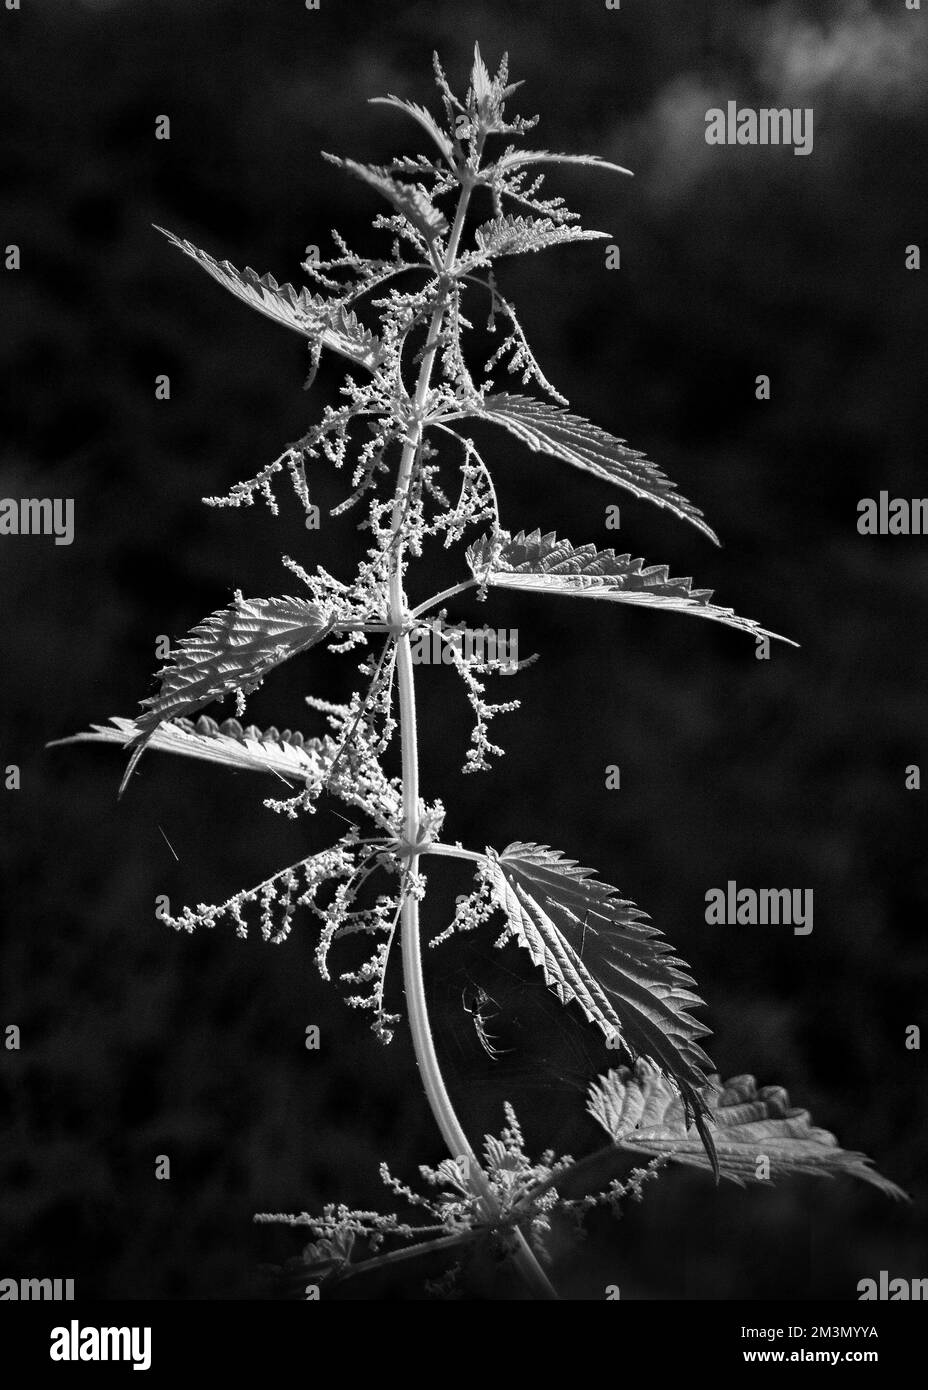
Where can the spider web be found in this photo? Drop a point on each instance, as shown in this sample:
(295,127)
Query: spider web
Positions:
(545,1055)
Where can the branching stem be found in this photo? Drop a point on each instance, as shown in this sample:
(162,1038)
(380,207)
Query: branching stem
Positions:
(440,1102)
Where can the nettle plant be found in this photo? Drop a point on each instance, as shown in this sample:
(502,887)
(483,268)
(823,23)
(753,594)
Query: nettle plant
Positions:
(401,431)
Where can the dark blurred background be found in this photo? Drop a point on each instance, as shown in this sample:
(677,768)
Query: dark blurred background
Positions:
(138,1042)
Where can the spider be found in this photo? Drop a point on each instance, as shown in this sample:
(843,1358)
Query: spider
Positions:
(478,1011)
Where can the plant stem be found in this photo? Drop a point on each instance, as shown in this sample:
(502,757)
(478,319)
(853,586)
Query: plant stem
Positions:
(429,1069)
(454,851)
(422,1247)
(440,598)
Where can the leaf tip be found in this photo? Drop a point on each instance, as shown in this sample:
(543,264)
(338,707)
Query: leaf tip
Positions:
(700,1111)
(137,752)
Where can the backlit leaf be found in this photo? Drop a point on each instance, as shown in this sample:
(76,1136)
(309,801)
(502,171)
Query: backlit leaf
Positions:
(425,119)
(600,951)
(513,236)
(551,430)
(349,771)
(318,319)
(641,1112)
(411,202)
(515,159)
(543,564)
(233,649)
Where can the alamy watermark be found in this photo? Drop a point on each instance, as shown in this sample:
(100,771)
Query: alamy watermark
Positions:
(437,644)
(763,126)
(892,516)
(892,1290)
(76,1343)
(734,906)
(36,1290)
(38,516)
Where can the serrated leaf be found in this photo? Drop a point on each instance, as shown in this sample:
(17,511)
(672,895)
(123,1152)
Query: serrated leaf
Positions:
(232,649)
(424,118)
(543,564)
(411,202)
(287,755)
(487,95)
(640,1112)
(514,159)
(513,236)
(328,1257)
(600,951)
(549,429)
(313,316)
(348,771)
(480,79)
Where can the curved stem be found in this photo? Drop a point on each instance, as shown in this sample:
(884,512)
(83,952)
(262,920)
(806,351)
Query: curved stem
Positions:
(440,598)
(429,1069)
